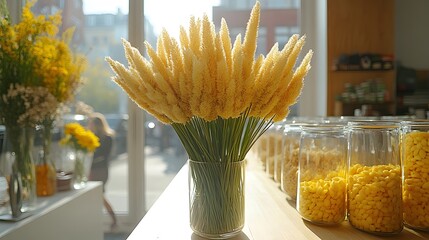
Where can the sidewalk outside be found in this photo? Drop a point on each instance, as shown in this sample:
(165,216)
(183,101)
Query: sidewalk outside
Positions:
(160,167)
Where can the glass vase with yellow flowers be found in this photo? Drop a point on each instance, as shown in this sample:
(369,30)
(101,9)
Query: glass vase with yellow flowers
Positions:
(219,99)
(24,102)
(32,56)
(82,143)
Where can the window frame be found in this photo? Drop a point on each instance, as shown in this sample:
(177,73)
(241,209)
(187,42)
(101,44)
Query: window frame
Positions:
(309,105)
(135,138)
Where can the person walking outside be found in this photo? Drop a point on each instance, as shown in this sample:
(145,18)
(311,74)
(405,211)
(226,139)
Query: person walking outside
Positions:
(100,163)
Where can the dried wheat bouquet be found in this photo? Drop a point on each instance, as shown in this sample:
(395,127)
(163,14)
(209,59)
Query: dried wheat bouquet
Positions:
(207,76)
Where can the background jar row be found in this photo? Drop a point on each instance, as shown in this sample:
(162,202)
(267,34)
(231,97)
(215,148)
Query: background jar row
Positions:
(320,164)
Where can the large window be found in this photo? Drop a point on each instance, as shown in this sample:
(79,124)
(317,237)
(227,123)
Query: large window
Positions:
(165,157)
(99,27)
(138,175)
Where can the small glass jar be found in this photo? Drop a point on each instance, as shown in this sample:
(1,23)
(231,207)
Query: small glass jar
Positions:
(415,159)
(262,150)
(374,192)
(278,150)
(321,197)
(272,138)
(289,161)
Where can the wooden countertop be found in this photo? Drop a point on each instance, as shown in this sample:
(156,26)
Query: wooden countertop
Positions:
(268,215)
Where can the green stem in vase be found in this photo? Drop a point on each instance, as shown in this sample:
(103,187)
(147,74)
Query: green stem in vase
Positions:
(13,136)
(217,150)
(217,203)
(25,162)
(79,169)
(220,140)
(22,142)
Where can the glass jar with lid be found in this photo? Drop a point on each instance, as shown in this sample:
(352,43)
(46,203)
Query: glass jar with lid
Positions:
(321,196)
(278,149)
(374,193)
(415,159)
(273,138)
(289,161)
(261,151)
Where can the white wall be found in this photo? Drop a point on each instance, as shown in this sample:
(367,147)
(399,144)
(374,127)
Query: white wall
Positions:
(412,33)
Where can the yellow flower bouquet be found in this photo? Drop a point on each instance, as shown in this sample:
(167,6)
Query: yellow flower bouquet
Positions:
(33,58)
(38,73)
(83,142)
(219,99)
(79,138)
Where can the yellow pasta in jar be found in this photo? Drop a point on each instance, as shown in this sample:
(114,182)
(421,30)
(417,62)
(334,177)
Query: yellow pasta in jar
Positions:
(374,198)
(323,200)
(322,190)
(416,179)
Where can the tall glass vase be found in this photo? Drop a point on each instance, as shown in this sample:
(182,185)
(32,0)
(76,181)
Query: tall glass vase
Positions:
(17,160)
(216,198)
